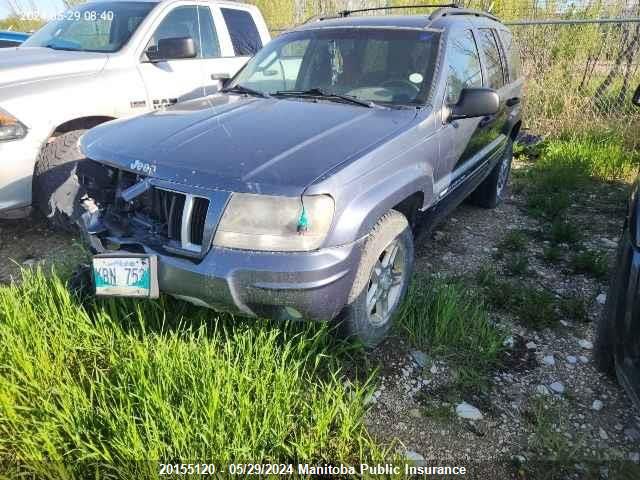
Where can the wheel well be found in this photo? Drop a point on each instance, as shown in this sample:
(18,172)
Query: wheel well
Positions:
(409,207)
(83,123)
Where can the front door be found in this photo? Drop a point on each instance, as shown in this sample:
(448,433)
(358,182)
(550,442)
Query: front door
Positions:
(172,81)
(461,139)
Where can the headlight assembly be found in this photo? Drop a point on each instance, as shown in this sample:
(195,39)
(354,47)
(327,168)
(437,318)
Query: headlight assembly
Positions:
(270,223)
(10,127)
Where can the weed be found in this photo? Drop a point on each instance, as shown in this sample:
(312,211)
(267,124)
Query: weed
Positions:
(514,241)
(552,254)
(563,231)
(120,380)
(447,317)
(517,264)
(591,262)
(533,307)
(575,308)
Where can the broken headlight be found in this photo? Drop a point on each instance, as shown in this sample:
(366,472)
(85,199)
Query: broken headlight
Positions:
(271,223)
(10,127)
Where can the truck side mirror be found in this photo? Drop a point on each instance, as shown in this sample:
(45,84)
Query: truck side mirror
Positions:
(476,102)
(636,97)
(172,49)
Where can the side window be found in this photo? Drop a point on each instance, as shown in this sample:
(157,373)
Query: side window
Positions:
(464,65)
(8,43)
(243,31)
(492,58)
(181,22)
(513,54)
(210,45)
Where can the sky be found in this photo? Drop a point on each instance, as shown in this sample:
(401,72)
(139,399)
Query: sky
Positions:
(46,7)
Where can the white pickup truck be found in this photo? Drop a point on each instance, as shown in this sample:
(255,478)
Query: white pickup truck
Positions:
(104,60)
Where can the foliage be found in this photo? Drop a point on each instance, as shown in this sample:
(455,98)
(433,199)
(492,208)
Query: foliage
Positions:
(98,386)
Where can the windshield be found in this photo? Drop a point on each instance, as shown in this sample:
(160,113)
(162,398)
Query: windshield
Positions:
(382,65)
(92,27)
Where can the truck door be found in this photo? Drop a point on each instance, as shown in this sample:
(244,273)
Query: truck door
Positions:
(239,41)
(171,81)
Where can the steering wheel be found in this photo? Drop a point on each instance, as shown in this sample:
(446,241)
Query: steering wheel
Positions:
(409,88)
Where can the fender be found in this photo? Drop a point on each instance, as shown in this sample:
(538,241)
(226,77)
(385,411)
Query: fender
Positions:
(361,211)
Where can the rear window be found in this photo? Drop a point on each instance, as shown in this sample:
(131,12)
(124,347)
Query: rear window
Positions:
(492,58)
(513,54)
(243,31)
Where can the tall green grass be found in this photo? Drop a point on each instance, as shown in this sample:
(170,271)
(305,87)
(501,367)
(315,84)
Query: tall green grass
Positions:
(115,386)
(569,165)
(448,318)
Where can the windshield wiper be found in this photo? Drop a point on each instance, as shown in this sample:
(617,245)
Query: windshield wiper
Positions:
(242,89)
(319,93)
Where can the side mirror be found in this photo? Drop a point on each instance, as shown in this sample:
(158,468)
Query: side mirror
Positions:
(636,97)
(476,102)
(173,49)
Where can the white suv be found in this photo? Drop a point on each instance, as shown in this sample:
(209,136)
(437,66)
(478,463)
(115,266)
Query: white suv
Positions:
(109,59)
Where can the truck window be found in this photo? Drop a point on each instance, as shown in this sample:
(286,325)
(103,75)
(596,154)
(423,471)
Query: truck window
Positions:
(492,58)
(92,27)
(243,31)
(513,54)
(180,23)
(463,65)
(208,34)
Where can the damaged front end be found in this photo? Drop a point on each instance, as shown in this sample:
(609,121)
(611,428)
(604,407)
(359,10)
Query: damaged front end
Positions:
(135,213)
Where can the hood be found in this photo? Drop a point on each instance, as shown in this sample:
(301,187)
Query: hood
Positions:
(229,142)
(31,64)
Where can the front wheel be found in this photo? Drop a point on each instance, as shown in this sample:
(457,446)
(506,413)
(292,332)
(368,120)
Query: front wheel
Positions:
(381,280)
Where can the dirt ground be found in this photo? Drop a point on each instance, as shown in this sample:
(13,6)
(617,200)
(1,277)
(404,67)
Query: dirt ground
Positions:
(413,406)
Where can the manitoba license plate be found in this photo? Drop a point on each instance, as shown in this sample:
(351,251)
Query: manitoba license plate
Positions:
(126,275)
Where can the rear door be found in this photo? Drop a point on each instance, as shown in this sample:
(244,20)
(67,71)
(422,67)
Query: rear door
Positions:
(496,78)
(172,81)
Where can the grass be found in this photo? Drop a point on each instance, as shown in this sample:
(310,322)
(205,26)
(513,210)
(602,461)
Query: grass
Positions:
(514,241)
(575,308)
(552,254)
(570,164)
(564,231)
(592,263)
(533,307)
(517,264)
(96,387)
(446,317)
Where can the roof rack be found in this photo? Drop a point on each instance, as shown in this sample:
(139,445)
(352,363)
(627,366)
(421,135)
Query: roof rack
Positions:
(346,13)
(446,11)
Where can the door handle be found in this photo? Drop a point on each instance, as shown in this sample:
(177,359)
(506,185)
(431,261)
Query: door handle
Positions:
(220,76)
(512,102)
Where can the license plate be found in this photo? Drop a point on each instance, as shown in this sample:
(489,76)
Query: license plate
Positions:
(126,275)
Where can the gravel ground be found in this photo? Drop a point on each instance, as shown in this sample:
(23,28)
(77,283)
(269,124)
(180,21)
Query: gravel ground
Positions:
(592,417)
(413,407)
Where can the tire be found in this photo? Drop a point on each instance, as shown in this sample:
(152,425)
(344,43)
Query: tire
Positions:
(604,344)
(490,192)
(57,191)
(359,320)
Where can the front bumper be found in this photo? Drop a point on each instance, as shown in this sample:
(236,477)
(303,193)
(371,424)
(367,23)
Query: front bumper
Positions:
(17,160)
(312,285)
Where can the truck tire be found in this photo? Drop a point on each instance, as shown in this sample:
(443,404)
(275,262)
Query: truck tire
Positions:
(490,192)
(381,280)
(57,191)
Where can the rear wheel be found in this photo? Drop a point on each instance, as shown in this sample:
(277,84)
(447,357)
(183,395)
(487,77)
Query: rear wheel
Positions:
(57,189)
(381,280)
(490,192)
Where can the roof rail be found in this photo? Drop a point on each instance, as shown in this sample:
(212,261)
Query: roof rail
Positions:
(346,13)
(446,12)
